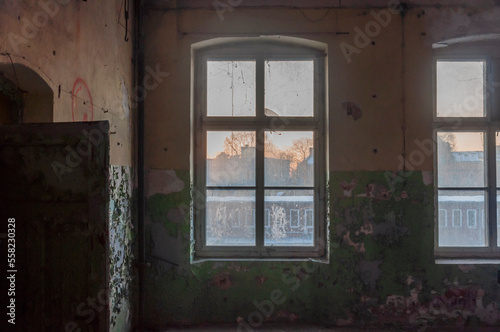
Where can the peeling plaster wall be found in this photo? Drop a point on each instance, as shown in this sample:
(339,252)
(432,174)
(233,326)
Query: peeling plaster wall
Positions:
(78,49)
(121,248)
(381,271)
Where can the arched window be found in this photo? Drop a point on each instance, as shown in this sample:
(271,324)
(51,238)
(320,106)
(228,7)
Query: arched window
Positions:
(467,136)
(259,148)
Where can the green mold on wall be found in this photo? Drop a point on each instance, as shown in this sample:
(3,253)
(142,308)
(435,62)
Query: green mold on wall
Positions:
(121,254)
(381,265)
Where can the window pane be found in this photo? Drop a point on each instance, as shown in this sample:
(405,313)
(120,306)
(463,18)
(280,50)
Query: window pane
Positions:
(230,218)
(287,218)
(497,149)
(465,210)
(471,218)
(289,88)
(230,158)
(289,158)
(461,159)
(231,88)
(443,218)
(309,217)
(498,218)
(460,88)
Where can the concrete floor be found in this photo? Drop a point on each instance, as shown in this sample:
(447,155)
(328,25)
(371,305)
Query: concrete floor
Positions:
(277,328)
(313,328)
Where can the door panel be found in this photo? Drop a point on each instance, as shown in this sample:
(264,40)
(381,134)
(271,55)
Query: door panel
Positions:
(54,182)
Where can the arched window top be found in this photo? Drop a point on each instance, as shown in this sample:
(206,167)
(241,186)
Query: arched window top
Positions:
(259,148)
(486,45)
(262,44)
(467,40)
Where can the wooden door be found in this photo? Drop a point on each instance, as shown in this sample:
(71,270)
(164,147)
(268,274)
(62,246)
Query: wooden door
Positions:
(54,191)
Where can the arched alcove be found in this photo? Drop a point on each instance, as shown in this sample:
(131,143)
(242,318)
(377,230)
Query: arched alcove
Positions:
(25,97)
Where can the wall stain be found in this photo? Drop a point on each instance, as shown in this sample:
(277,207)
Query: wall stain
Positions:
(352,109)
(381,275)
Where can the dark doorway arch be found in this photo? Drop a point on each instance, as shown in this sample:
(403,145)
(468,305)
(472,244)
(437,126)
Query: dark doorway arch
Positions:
(25,97)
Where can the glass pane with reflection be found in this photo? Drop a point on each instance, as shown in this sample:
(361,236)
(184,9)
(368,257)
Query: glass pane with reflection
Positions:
(461,159)
(289,158)
(460,88)
(462,218)
(289,88)
(291,218)
(230,217)
(497,157)
(231,88)
(230,158)
(498,218)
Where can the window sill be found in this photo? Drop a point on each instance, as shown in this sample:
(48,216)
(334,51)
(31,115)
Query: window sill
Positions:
(465,261)
(282,260)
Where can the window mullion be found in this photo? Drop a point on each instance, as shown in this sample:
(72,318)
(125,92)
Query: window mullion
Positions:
(492,223)
(259,157)
(491,104)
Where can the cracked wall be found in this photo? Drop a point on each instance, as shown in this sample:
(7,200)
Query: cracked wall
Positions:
(78,51)
(381,271)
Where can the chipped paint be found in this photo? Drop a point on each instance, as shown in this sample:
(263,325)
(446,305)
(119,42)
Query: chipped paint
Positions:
(427,178)
(222,280)
(381,270)
(121,247)
(348,187)
(352,109)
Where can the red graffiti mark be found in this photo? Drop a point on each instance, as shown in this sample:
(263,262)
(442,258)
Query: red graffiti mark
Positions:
(82,108)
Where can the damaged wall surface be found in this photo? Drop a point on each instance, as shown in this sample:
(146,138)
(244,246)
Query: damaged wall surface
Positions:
(381,270)
(73,62)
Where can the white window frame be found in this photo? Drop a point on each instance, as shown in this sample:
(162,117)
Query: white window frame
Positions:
(454,213)
(308,211)
(297,213)
(267,215)
(475,218)
(249,221)
(237,219)
(445,223)
(489,125)
(259,49)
